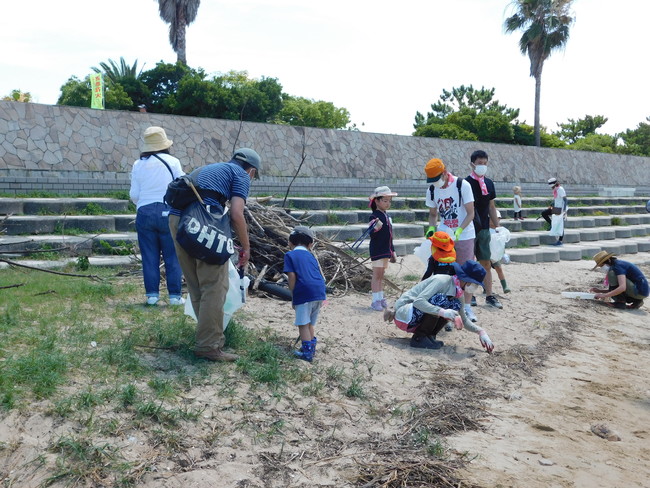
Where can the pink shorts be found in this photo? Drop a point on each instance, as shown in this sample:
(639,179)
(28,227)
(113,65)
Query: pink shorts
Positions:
(380,263)
(464,250)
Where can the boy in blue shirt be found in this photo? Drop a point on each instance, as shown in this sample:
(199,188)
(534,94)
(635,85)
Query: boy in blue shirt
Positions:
(307,285)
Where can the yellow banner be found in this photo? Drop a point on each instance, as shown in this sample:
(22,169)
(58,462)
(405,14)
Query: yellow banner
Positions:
(97,89)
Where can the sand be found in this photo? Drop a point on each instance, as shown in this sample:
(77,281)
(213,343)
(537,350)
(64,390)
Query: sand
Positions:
(562,371)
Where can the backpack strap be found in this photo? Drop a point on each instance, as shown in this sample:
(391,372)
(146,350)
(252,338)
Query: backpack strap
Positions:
(165,163)
(459,184)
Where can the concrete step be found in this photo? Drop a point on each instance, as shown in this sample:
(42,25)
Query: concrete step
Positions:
(60,206)
(533,205)
(54,224)
(86,244)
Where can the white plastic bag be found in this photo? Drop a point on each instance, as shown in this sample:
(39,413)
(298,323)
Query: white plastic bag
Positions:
(233,298)
(498,239)
(423,251)
(557,225)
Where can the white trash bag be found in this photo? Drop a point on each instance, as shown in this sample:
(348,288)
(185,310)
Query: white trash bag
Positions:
(423,251)
(233,298)
(498,239)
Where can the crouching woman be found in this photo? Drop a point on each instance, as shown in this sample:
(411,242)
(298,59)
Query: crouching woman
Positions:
(626,283)
(438,301)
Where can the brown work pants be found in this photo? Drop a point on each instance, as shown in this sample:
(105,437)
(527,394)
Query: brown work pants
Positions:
(208,286)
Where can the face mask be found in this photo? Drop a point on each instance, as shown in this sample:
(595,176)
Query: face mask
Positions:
(471,288)
(439,183)
(604,268)
(480,169)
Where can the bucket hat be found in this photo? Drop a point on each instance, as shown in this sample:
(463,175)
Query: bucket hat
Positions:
(470,272)
(382,191)
(155,139)
(441,240)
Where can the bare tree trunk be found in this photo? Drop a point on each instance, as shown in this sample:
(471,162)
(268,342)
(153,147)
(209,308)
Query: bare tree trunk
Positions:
(182,27)
(538,90)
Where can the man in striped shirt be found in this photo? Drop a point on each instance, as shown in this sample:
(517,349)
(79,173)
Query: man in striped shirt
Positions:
(208,283)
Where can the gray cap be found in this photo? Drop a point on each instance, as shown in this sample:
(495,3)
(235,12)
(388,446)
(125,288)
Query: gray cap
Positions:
(301,229)
(248,155)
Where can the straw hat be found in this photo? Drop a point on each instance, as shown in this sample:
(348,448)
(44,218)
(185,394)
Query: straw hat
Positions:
(155,140)
(601,257)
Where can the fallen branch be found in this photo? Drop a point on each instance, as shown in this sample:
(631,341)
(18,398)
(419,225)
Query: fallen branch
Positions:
(13,263)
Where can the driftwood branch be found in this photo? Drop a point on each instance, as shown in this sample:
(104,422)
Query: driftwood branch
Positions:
(13,263)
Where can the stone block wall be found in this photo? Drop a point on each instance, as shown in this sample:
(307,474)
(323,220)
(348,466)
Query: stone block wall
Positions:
(71,150)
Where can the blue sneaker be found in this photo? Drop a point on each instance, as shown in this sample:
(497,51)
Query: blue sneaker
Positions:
(558,243)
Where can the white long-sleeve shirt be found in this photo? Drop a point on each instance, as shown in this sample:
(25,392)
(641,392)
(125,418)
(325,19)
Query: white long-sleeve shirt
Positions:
(150,177)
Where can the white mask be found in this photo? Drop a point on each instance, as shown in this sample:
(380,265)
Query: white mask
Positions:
(604,268)
(439,183)
(480,169)
(471,288)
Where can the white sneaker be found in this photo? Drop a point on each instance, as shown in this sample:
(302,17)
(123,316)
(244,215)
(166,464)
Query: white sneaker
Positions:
(177,301)
(470,314)
(152,300)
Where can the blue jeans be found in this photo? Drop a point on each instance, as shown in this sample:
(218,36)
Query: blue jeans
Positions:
(154,238)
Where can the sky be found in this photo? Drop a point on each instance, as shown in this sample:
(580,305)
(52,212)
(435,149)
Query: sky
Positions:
(381,60)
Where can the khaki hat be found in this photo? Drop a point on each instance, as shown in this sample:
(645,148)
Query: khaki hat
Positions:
(155,140)
(601,257)
(434,169)
(382,191)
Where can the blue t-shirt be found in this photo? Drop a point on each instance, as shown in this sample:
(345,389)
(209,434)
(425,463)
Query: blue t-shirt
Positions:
(229,179)
(310,284)
(632,273)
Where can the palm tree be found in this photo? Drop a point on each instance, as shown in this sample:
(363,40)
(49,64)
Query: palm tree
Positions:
(117,73)
(178,14)
(545,25)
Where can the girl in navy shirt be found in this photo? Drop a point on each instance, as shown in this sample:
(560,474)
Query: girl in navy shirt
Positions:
(381,243)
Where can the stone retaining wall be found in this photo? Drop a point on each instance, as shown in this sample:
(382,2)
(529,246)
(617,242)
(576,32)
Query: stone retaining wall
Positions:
(71,150)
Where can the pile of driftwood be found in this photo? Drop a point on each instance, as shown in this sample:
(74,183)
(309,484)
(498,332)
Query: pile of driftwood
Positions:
(269,228)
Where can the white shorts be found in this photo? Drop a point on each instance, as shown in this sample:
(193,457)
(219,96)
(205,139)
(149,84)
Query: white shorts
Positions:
(307,313)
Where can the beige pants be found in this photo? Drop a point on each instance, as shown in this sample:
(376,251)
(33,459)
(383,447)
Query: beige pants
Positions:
(208,286)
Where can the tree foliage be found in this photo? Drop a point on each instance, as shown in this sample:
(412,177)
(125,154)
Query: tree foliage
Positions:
(17,96)
(178,14)
(128,77)
(637,141)
(304,112)
(595,143)
(470,114)
(573,130)
(78,93)
(545,28)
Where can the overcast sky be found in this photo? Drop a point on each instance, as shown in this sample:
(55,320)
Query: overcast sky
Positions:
(381,60)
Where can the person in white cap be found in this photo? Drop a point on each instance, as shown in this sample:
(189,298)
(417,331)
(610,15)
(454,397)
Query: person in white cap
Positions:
(381,246)
(556,214)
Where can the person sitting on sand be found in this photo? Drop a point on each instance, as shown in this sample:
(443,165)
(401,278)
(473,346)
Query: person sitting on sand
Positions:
(427,307)
(627,284)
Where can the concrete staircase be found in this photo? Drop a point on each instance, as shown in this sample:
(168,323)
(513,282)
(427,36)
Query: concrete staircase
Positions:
(103,227)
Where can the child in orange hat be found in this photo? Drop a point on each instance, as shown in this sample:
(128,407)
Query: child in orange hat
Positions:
(443,254)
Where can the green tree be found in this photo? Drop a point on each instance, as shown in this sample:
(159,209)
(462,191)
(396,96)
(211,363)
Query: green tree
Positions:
(472,111)
(596,143)
(77,93)
(545,25)
(525,136)
(162,82)
(310,113)
(128,77)
(577,129)
(18,96)
(178,14)
(637,141)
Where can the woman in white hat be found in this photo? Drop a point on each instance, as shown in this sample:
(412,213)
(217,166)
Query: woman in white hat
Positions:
(149,179)
(627,284)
